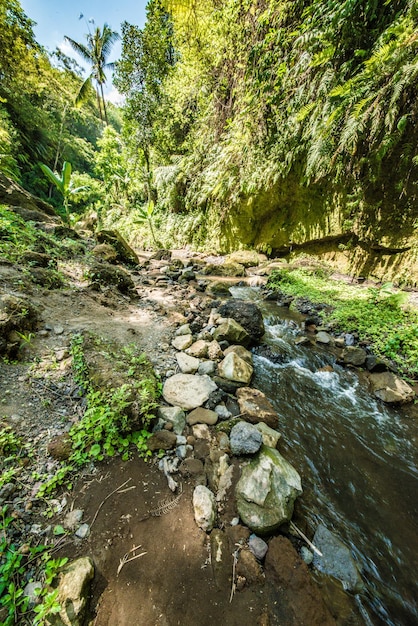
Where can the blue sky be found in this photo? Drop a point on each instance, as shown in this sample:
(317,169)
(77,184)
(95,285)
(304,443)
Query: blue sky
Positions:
(56,18)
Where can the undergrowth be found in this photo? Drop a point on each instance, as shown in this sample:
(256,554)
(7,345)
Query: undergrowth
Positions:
(378,314)
(18,236)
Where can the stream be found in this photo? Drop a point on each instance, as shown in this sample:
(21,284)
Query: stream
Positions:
(357,458)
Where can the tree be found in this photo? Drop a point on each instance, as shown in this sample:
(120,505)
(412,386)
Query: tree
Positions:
(96,52)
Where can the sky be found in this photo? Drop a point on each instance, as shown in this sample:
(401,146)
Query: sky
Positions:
(56,18)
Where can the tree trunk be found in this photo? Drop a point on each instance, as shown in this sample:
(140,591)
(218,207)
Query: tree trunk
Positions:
(104,104)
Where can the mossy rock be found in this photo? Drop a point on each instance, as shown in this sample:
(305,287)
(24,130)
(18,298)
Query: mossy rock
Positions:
(106,274)
(227,269)
(124,251)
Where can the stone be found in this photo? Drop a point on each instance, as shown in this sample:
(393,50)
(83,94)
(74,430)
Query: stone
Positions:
(301,596)
(207,367)
(175,416)
(227,268)
(353,355)
(73,591)
(182,342)
(83,531)
(73,519)
(323,337)
(106,274)
(247,258)
(222,412)
(31,591)
(247,315)
(242,352)
(266,491)
(191,467)
(198,349)
(105,252)
(391,389)
(162,440)
(188,391)
(336,559)
(60,447)
(125,254)
(218,288)
(204,505)
(245,439)
(249,568)
(255,407)
(214,351)
(306,555)
(202,416)
(236,369)
(229,330)
(184,329)
(187,364)
(201,431)
(269,435)
(257,546)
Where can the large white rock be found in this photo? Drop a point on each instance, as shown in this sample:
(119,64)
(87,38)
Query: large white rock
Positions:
(236,369)
(74,589)
(266,491)
(391,389)
(187,364)
(204,505)
(188,391)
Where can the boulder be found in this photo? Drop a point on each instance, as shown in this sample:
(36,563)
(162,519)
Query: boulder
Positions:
(204,505)
(245,439)
(202,416)
(162,440)
(257,546)
(391,389)
(255,407)
(247,314)
(74,589)
(227,268)
(242,352)
(266,491)
(124,252)
(198,349)
(188,391)
(187,364)
(105,252)
(336,559)
(236,369)
(247,258)
(323,337)
(181,342)
(218,288)
(269,435)
(353,355)
(233,332)
(13,195)
(106,274)
(215,351)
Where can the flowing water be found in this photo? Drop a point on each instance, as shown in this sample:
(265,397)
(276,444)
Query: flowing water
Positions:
(357,459)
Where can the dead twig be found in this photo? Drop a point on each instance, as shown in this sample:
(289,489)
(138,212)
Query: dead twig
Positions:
(304,537)
(126,558)
(234,565)
(107,498)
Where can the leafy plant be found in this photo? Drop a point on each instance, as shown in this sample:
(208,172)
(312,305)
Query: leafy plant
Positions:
(145,216)
(63,183)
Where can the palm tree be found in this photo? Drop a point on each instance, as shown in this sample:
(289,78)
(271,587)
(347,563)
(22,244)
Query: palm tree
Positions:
(95,52)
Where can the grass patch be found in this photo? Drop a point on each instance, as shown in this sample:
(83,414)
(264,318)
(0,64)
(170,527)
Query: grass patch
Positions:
(378,314)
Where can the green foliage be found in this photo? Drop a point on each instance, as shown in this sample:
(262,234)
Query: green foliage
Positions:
(377,313)
(18,236)
(13,566)
(63,183)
